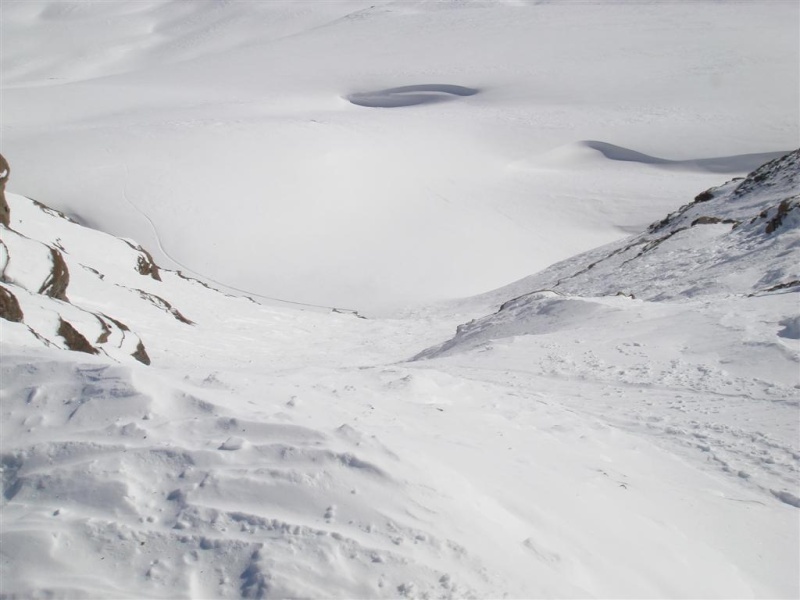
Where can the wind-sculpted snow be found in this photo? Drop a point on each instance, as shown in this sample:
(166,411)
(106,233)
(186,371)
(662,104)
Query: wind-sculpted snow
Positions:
(591,152)
(126,484)
(150,488)
(411,95)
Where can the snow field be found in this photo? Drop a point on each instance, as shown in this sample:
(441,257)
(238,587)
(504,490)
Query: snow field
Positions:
(623,423)
(221,137)
(251,491)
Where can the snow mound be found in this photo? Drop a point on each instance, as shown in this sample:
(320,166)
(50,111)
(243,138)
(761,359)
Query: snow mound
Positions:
(411,95)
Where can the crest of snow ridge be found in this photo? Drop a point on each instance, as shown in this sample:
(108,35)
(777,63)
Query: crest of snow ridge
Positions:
(733,239)
(736,240)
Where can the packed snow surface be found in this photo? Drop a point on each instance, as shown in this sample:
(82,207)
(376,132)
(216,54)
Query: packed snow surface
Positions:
(622,423)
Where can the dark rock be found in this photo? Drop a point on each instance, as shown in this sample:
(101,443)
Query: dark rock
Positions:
(779,286)
(141,354)
(103,337)
(51,211)
(704,196)
(74,339)
(119,324)
(56,284)
(9,306)
(784,208)
(159,302)
(145,263)
(146,266)
(706,220)
(5,211)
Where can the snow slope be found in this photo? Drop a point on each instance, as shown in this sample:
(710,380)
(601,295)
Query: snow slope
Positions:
(567,446)
(621,424)
(705,300)
(220,135)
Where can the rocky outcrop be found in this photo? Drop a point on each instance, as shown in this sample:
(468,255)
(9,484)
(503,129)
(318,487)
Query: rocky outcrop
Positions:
(145,263)
(159,302)
(56,283)
(73,339)
(781,212)
(5,212)
(141,354)
(9,306)
(45,262)
(35,275)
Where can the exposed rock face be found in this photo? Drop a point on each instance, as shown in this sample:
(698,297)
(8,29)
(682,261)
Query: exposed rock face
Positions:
(32,266)
(147,266)
(141,354)
(74,339)
(56,284)
(5,212)
(9,306)
(159,302)
(145,263)
(781,212)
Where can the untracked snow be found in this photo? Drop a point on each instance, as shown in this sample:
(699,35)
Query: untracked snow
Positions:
(365,154)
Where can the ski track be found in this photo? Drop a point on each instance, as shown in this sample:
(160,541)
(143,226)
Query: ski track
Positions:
(225,286)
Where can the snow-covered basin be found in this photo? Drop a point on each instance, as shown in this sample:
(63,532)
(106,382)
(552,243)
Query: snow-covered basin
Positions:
(220,135)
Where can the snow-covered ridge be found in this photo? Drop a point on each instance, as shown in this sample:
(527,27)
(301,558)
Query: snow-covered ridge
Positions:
(59,278)
(737,238)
